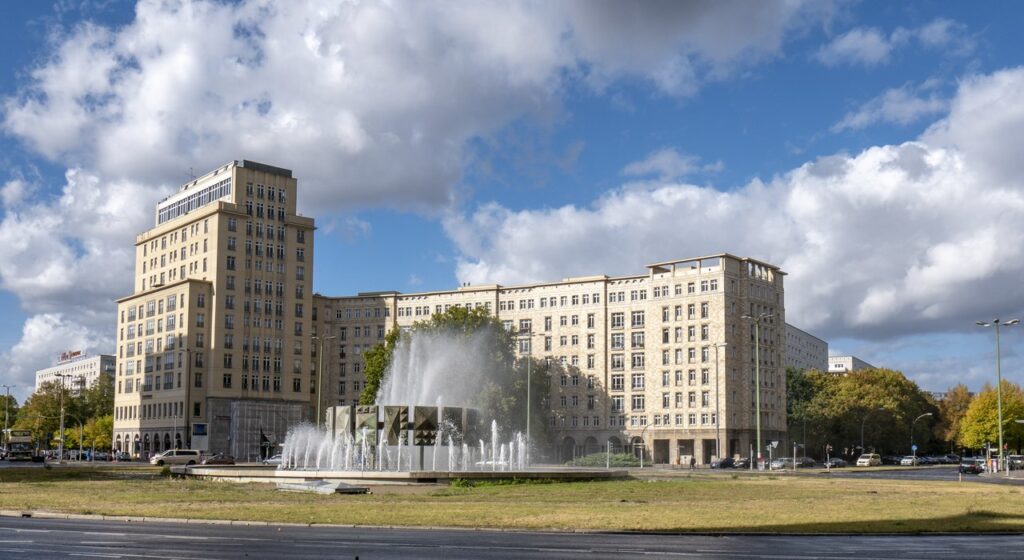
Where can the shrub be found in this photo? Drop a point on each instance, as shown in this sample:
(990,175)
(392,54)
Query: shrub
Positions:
(601,459)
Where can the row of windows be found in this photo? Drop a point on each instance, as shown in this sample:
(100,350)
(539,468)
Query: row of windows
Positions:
(217,191)
(270,190)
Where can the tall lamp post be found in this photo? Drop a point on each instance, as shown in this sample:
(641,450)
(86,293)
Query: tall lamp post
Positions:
(756,319)
(528,336)
(60,447)
(999,377)
(912,450)
(718,398)
(862,422)
(320,374)
(7,404)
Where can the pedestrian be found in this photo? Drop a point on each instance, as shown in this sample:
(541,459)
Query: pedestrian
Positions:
(693,462)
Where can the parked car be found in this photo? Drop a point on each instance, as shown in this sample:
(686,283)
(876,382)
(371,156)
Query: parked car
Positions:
(951,459)
(724,463)
(275,460)
(1016,462)
(972,465)
(122,456)
(219,459)
(909,461)
(835,463)
(891,459)
(781,463)
(741,463)
(175,457)
(805,463)
(869,460)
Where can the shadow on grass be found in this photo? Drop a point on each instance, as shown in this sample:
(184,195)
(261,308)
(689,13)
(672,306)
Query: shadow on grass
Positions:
(48,473)
(981,521)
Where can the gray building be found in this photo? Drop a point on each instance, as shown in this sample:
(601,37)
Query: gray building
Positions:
(804,351)
(840,365)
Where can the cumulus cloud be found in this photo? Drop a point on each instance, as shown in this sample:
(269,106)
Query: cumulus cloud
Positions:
(371,103)
(869,46)
(897,239)
(902,105)
(669,163)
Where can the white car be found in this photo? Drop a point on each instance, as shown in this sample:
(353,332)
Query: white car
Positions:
(869,460)
(275,460)
(909,461)
(176,457)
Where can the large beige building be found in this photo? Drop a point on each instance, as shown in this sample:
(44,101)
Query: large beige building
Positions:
(639,352)
(213,345)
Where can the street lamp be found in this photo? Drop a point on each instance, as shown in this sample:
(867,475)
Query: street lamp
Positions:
(756,319)
(7,404)
(320,374)
(528,335)
(718,399)
(999,377)
(60,446)
(912,450)
(862,422)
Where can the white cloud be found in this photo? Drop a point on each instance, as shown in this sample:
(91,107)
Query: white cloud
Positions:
(43,338)
(371,103)
(13,192)
(867,46)
(897,239)
(669,163)
(902,105)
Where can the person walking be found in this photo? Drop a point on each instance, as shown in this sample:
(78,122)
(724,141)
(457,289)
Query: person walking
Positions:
(693,462)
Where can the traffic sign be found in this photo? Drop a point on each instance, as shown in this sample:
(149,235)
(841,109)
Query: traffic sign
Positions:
(913,447)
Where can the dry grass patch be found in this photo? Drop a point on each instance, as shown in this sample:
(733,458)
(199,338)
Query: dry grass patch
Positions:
(706,504)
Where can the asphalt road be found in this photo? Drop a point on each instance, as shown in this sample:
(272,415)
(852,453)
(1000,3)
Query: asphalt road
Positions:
(948,473)
(58,538)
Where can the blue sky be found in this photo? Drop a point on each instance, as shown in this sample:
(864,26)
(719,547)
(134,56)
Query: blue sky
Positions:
(867,148)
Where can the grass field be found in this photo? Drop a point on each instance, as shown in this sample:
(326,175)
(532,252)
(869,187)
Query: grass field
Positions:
(693,503)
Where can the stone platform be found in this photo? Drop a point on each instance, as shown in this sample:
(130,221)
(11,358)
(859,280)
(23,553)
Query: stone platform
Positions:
(270,474)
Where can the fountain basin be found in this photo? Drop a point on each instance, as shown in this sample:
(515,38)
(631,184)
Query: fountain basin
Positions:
(273,475)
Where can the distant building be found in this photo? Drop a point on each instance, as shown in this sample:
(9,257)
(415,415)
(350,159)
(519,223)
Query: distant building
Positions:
(840,365)
(804,351)
(82,370)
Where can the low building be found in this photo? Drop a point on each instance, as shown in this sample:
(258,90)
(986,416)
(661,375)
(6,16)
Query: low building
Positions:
(78,370)
(841,365)
(804,351)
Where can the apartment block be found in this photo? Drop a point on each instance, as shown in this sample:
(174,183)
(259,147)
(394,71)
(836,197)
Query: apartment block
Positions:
(804,351)
(213,344)
(77,369)
(663,359)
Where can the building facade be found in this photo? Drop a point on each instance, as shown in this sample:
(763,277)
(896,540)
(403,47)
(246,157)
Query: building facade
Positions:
(804,351)
(840,365)
(665,358)
(78,370)
(213,343)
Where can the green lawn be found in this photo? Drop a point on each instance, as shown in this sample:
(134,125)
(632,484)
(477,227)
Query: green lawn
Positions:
(694,503)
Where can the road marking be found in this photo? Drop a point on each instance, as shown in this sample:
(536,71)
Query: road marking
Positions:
(15,542)
(95,554)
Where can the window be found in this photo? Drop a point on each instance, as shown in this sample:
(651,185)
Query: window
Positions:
(704,310)
(618,382)
(618,403)
(637,339)
(618,361)
(705,398)
(618,341)
(227,380)
(618,320)
(637,360)
(637,381)
(638,403)
(637,319)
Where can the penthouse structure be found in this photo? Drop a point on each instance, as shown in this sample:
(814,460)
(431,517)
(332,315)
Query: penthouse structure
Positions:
(213,345)
(663,359)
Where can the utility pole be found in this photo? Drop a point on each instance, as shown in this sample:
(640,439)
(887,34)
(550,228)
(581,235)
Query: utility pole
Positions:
(7,404)
(999,378)
(757,373)
(320,374)
(718,398)
(60,447)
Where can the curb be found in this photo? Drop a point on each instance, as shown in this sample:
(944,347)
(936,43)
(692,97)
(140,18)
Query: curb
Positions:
(242,523)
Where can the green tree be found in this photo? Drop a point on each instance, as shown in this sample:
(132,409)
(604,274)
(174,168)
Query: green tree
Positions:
(41,413)
(9,406)
(952,409)
(99,432)
(883,401)
(980,425)
(98,399)
(375,367)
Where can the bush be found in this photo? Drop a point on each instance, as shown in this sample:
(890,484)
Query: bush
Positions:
(601,459)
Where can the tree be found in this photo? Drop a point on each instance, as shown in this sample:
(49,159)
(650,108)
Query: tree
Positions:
(41,413)
(799,394)
(9,406)
(98,398)
(376,362)
(952,409)
(980,425)
(99,432)
(883,401)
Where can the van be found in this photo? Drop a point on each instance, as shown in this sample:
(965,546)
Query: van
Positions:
(175,457)
(869,460)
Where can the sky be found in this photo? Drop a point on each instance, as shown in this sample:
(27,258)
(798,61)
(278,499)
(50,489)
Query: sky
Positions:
(869,149)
